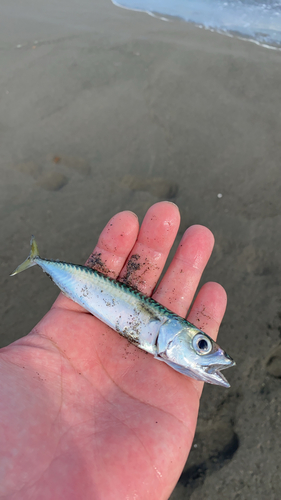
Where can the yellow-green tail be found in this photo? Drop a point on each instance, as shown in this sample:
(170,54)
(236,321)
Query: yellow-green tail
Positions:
(31,259)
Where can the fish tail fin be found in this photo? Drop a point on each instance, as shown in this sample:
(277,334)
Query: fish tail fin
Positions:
(31,259)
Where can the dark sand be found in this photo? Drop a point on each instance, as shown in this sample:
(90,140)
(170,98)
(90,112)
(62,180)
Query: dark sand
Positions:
(115,110)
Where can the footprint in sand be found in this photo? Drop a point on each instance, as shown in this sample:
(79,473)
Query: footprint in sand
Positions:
(55,180)
(81,166)
(29,168)
(157,186)
(48,179)
(48,173)
(52,181)
(214,443)
(273,362)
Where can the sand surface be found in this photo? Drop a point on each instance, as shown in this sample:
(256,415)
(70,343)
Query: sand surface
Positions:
(102,110)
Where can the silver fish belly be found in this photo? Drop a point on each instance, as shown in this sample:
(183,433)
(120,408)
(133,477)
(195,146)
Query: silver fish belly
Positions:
(142,320)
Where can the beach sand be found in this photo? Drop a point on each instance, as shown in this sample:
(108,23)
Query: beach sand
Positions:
(103,109)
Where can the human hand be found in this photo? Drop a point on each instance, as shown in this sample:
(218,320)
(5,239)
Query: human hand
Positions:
(86,415)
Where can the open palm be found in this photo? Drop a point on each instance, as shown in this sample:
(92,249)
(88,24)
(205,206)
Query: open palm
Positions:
(86,415)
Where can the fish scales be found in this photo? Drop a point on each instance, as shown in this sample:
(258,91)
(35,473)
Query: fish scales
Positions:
(124,309)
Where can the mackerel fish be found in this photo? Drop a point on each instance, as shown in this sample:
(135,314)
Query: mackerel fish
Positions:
(138,318)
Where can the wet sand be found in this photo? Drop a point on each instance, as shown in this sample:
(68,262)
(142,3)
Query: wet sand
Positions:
(102,110)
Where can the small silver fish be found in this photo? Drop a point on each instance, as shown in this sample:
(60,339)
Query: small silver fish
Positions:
(142,320)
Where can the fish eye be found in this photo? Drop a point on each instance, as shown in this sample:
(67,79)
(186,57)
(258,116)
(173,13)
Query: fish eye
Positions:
(202,344)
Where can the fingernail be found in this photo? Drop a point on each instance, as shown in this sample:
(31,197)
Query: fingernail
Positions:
(173,204)
(133,213)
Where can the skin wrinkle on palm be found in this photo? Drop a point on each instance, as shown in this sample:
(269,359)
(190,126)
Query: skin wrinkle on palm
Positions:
(99,395)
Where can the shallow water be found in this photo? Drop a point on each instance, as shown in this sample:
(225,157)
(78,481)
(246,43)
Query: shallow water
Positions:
(255,20)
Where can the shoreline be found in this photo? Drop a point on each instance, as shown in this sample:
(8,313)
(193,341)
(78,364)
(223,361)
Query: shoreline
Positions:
(220,30)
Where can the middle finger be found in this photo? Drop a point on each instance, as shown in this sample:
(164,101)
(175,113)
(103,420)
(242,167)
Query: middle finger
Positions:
(178,286)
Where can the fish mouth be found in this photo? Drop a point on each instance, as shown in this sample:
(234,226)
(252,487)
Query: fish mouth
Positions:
(213,373)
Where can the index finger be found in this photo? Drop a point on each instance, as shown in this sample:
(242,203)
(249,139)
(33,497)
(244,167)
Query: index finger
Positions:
(149,254)
(111,251)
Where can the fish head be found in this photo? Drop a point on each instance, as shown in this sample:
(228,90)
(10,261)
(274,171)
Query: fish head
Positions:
(192,352)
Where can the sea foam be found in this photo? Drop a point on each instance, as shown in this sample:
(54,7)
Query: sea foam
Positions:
(253,20)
